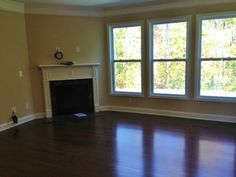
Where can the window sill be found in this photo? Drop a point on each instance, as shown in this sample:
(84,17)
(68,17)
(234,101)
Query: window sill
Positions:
(216,99)
(128,94)
(169,96)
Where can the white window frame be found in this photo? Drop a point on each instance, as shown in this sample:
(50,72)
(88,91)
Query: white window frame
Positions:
(198,58)
(188,54)
(111,62)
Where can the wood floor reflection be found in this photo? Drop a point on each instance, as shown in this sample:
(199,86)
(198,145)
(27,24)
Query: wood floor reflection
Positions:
(111,144)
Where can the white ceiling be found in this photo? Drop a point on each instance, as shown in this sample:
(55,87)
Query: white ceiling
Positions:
(91,3)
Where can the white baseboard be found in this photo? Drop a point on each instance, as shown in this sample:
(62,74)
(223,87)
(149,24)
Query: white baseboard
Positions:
(21,120)
(189,115)
(40,115)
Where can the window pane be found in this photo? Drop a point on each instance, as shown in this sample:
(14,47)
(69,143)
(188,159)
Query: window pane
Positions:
(219,38)
(127,43)
(169,40)
(218,78)
(128,76)
(169,77)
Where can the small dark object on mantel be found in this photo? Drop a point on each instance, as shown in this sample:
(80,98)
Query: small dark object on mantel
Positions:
(14,118)
(67,63)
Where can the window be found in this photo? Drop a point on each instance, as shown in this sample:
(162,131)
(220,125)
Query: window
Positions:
(216,76)
(169,58)
(125,43)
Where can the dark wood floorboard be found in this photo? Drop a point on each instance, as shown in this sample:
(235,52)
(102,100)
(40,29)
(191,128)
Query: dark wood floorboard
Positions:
(111,144)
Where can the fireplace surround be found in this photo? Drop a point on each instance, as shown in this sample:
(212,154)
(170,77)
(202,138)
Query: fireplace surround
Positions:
(51,73)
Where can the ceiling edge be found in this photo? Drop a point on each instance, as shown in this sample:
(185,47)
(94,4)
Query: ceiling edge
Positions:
(12,6)
(159,7)
(64,11)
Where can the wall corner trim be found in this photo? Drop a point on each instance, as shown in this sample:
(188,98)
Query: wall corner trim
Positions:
(179,114)
(12,6)
(21,120)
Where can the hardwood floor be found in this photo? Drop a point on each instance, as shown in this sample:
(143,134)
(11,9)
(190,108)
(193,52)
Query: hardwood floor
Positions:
(111,144)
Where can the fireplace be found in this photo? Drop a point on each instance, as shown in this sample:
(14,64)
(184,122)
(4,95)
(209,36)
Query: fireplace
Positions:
(81,83)
(71,96)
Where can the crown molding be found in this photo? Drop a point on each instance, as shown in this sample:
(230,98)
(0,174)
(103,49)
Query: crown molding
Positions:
(12,6)
(168,6)
(64,11)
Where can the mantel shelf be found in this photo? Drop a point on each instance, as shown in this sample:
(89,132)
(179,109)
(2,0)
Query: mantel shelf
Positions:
(74,65)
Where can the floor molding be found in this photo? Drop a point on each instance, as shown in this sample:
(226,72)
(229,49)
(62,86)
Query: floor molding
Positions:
(40,115)
(188,115)
(21,120)
(180,114)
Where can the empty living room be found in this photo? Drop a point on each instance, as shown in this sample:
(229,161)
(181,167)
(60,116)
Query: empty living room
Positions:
(118,88)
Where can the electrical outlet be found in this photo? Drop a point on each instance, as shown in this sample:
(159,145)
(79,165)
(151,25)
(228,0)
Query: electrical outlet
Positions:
(13,109)
(77,49)
(20,73)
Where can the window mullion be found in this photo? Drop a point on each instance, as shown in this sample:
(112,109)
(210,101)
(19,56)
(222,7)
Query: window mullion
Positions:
(218,59)
(127,60)
(168,60)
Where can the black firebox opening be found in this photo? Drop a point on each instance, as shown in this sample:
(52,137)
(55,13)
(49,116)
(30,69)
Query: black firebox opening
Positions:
(71,96)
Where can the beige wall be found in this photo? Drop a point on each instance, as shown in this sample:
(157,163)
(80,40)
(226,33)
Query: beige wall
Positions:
(14,91)
(171,104)
(46,32)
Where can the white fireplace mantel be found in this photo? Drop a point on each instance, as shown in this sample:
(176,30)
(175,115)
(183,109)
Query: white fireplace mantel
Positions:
(64,72)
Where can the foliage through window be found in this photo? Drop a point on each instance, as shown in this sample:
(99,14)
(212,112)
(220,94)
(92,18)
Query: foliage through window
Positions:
(169,57)
(217,57)
(126,58)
